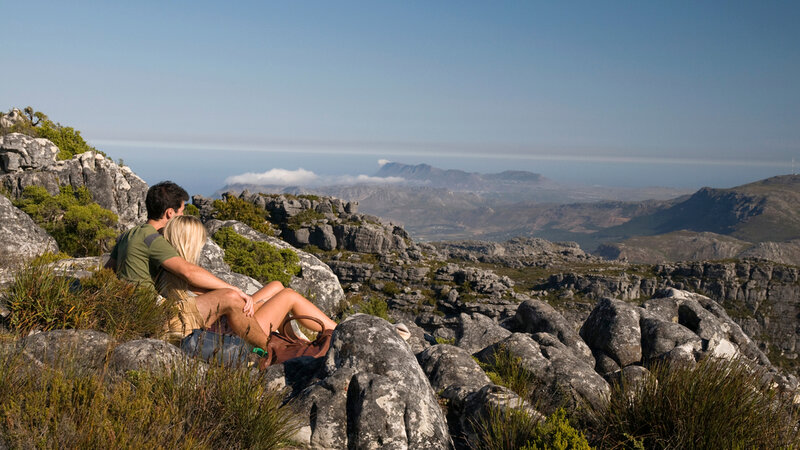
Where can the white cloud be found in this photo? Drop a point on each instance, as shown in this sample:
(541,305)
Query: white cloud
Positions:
(383,162)
(302,177)
(281,177)
(349,179)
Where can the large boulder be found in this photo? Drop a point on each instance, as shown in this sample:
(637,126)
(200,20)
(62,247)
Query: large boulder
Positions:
(316,280)
(561,378)
(613,330)
(113,187)
(470,396)
(20,238)
(371,393)
(475,332)
(149,355)
(19,152)
(77,349)
(536,316)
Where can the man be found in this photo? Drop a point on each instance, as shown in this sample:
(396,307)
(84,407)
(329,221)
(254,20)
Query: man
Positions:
(141,252)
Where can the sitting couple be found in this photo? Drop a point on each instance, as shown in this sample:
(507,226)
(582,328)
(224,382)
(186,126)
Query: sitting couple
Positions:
(163,253)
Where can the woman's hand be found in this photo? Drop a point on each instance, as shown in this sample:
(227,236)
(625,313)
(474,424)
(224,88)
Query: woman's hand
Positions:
(249,307)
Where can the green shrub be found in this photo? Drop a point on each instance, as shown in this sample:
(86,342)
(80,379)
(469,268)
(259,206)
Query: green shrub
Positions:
(509,371)
(191,210)
(376,307)
(67,139)
(512,429)
(390,288)
(304,217)
(259,260)
(79,226)
(40,299)
(234,208)
(222,408)
(716,404)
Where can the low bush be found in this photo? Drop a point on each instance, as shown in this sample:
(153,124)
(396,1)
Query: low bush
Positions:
(222,408)
(516,429)
(191,210)
(508,370)
(79,226)
(234,208)
(717,403)
(41,299)
(304,217)
(258,260)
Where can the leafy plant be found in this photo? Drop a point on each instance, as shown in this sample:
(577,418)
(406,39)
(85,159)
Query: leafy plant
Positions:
(718,403)
(220,408)
(191,210)
(304,217)
(41,299)
(512,429)
(79,226)
(259,260)
(509,371)
(234,208)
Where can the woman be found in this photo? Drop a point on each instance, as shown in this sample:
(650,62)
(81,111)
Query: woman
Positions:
(273,302)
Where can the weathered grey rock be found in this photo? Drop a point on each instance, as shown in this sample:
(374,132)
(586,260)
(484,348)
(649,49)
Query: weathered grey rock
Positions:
(316,280)
(350,272)
(151,355)
(659,338)
(77,349)
(613,329)
(113,187)
(452,372)
(20,238)
(322,236)
(562,379)
(370,238)
(629,379)
(534,316)
(19,152)
(372,393)
(475,332)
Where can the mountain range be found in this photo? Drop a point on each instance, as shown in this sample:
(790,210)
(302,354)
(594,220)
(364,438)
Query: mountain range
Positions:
(759,219)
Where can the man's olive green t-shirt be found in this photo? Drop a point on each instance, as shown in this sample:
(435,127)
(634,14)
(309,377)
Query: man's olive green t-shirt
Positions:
(139,253)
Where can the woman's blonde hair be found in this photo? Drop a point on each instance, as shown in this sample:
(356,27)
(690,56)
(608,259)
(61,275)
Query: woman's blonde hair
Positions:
(188,235)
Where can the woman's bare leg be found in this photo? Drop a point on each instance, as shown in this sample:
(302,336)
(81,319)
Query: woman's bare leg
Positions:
(267,292)
(274,311)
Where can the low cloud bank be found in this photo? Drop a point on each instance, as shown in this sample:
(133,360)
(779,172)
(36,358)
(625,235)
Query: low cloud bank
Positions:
(302,177)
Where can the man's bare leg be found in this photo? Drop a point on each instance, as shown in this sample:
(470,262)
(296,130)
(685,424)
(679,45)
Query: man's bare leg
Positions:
(275,310)
(227,302)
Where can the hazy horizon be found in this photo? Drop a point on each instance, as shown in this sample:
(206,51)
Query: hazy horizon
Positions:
(624,93)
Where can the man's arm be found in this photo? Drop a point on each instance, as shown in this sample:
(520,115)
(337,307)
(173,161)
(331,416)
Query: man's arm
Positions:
(111,264)
(201,278)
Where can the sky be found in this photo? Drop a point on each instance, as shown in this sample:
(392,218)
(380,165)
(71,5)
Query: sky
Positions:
(681,93)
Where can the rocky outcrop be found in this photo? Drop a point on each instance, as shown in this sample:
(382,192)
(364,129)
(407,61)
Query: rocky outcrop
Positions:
(560,378)
(32,162)
(316,280)
(469,395)
(762,297)
(326,223)
(371,393)
(20,238)
(19,153)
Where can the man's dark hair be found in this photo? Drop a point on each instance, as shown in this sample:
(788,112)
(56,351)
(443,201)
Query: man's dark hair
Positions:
(163,196)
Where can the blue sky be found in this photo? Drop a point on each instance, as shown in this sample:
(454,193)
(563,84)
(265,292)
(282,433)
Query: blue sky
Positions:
(618,82)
